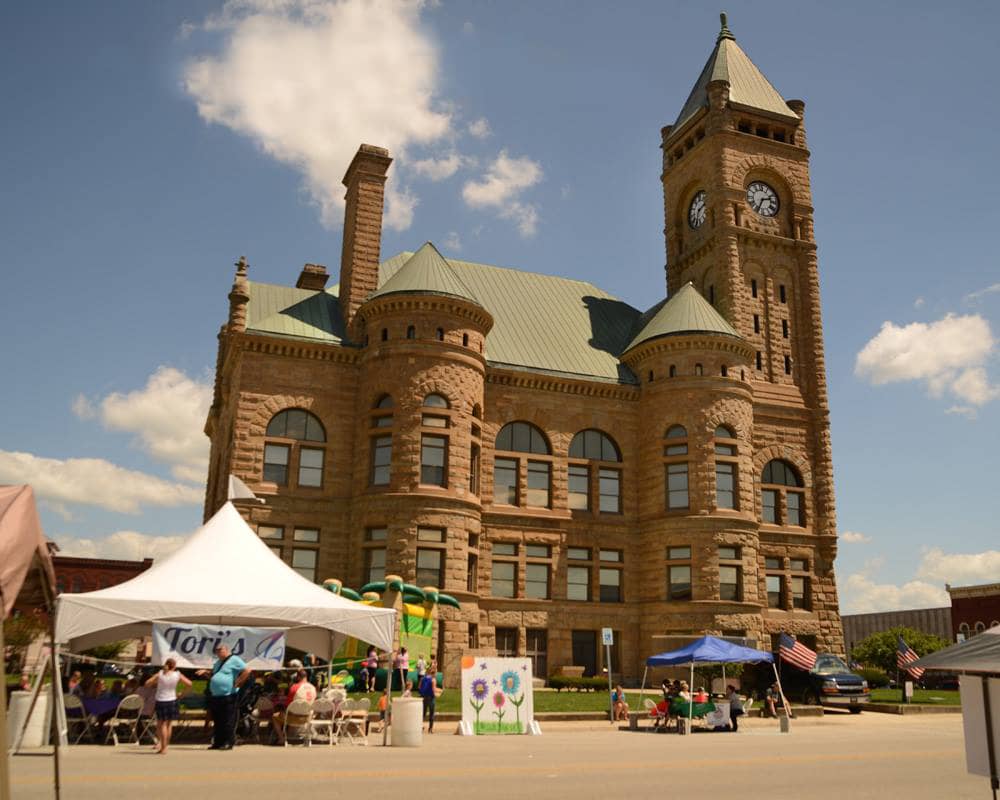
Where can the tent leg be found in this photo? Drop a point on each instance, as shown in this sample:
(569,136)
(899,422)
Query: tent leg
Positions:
(31,706)
(691,698)
(5,772)
(57,729)
(642,689)
(781,692)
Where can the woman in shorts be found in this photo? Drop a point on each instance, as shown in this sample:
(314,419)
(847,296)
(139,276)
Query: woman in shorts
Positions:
(167,710)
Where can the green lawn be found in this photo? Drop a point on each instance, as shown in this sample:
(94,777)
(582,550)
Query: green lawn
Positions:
(928,697)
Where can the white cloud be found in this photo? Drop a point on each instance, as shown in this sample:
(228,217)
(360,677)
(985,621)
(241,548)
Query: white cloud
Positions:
(501,187)
(468,28)
(310,80)
(963,411)
(854,537)
(94,482)
(480,128)
(167,417)
(991,289)
(439,169)
(919,302)
(947,355)
(861,595)
(453,242)
(960,568)
(123,545)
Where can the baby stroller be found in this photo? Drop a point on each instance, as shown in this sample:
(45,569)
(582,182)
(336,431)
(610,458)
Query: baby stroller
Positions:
(250,693)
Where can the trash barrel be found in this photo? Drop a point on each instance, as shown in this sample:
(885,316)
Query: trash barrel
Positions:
(37,732)
(407,722)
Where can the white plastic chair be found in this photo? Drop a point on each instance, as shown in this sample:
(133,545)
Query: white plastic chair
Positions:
(351,724)
(322,721)
(263,711)
(654,710)
(297,718)
(76,714)
(132,708)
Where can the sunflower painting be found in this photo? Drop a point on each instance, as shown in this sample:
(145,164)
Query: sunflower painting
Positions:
(500,683)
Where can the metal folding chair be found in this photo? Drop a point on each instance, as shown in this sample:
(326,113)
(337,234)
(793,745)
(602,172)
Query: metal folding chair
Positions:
(127,715)
(77,715)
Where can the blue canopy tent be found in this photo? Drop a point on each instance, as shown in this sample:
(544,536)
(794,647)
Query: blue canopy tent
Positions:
(709,650)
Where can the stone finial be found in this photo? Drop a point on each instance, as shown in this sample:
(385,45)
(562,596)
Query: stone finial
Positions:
(239,296)
(724,32)
(241,266)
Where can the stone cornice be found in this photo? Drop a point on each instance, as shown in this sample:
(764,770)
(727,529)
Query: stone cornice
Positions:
(689,341)
(553,383)
(295,348)
(435,303)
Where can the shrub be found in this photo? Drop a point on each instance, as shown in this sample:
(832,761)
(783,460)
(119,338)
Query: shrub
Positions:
(876,678)
(560,682)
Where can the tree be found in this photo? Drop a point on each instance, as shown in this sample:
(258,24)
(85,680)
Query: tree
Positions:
(879,649)
(18,634)
(107,652)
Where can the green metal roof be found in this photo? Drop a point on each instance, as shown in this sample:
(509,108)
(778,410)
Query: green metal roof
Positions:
(425,272)
(298,313)
(685,312)
(747,84)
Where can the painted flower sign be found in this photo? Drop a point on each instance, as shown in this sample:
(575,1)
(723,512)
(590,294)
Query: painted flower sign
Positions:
(496,694)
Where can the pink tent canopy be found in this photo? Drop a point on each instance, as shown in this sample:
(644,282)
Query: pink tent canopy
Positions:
(21,541)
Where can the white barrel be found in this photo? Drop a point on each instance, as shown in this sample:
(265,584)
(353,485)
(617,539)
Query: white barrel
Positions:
(407,722)
(37,732)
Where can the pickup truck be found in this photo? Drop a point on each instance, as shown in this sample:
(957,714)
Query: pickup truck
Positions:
(829,683)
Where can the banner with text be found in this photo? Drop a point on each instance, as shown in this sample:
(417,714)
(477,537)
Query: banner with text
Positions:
(194,645)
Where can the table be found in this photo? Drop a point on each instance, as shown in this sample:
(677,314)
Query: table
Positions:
(101,706)
(680,708)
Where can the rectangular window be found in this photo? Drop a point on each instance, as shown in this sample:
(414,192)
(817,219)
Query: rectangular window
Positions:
(505,481)
(304,563)
(773,563)
(385,421)
(614,556)
(610,483)
(310,467)
(579,487)
(472,574)
(756,323)
(794,502)
(678,553)
(579,553)
(536,642)
(760,361)
(433,457)
(774,590)
(753,287)
(729,583)
(473,635)
(537,551)
(430,421)
(430,535)
(306,535)
(725,485)
(504,549)
(679,582)
(381,459)
(504,579)
(275,550)
(270,532)
(769,505)
(536,581)
(506,642)
(729,553)
(611,585)
(539,473)
(781,293)
(429,567)
(474,470)
(800,592)
(374,564)
(798,565)
(578,583)
(376,534)
(675,450)
(788,365)
(276,463)
(784,328)
(677,486)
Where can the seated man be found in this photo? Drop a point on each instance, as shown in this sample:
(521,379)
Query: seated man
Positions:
(300,689)
(774,700)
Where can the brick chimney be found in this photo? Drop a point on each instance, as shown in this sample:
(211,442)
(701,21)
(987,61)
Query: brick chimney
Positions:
(313,276)
(365,182)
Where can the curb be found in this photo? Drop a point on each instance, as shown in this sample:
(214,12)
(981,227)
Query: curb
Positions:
(902,710)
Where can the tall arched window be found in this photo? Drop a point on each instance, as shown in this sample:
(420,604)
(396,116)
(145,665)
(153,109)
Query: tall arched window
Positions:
(591,454)
(510,466)
(291,441)
(381,441)
(434,446)
(726,468)
(675,467)
(782,498)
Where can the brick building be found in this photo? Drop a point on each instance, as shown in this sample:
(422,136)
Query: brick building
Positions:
(935,621)
(75,574)
(555,458)
(974,608)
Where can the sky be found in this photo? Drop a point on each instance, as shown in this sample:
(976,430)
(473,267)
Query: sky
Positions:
(146,146)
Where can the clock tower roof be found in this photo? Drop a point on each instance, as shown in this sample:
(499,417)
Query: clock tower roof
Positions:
(748,88)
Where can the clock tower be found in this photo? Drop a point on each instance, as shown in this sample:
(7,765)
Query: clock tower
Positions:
(738,224)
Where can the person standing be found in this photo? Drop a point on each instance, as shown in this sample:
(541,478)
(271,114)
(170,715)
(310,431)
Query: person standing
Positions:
(735,707)
(428,689)
(402,665)
(369,669)
(167,710)
(228,673)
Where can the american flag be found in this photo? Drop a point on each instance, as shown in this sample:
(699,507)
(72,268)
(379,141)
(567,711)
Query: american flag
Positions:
(904,656)
(796,653)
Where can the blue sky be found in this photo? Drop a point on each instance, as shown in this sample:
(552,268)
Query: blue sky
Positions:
(147,145)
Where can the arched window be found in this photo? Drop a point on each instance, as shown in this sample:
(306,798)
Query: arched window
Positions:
(980,627)
(782,499)
(380,444)
(440,334)
(435,401)
(385,334)
(465,340)
(434,446)
(77,587)
(726,468)
(291,439)
(698,370)
(513,439)
(588,447)
(963,629)
(673,371)
(411,332)
(675,467)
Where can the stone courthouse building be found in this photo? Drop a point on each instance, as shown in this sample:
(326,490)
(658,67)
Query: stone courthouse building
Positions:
(556,459)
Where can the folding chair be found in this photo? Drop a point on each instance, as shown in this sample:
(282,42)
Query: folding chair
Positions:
(263,711)
(76,714)
(654,710)
(350,725)
(297,717)
(323,713)
(132,707)
(363,709)
(147,717)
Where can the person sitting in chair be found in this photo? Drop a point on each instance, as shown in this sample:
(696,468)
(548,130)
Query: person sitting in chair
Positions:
(618,704)
(774,700)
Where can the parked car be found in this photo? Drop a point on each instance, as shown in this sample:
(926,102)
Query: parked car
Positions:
(829,683)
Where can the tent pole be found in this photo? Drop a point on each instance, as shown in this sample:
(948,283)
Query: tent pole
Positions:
(31,706)
(56,728)
(781,692)
(691,698)
(5,772)
(642,689)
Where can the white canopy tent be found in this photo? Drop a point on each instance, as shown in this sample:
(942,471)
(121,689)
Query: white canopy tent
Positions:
(223,574)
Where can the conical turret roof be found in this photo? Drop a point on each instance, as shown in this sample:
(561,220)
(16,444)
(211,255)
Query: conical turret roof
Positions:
(747,85)
(426,272)
(685,312)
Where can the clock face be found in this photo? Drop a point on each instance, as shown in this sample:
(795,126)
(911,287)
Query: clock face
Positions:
(696,212)
(762,199)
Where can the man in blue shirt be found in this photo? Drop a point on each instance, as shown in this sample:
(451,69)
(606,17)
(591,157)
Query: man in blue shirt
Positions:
(228,673)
